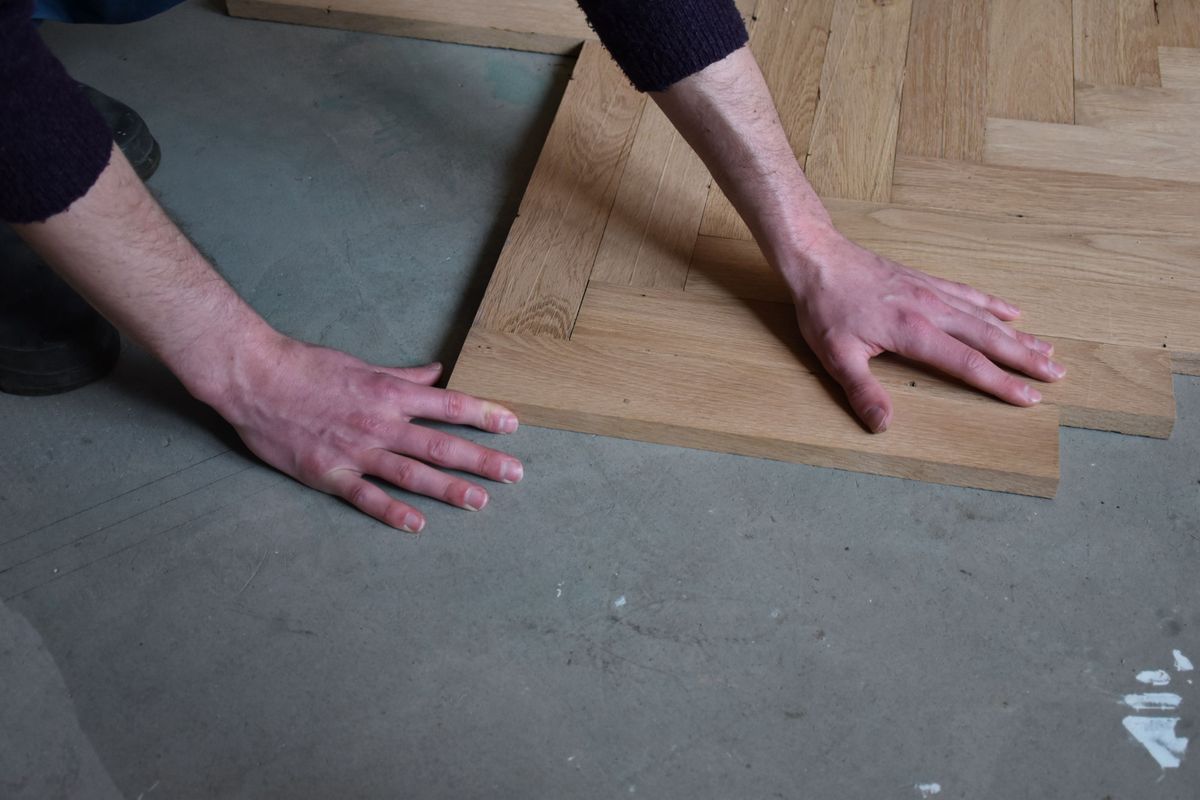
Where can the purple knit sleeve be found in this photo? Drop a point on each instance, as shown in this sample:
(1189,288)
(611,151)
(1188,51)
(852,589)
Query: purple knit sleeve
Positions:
(660,42)
(53,143)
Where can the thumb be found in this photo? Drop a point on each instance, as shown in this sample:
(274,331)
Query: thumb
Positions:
(867,396)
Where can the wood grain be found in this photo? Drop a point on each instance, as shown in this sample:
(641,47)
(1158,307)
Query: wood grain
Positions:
(944,103)
(1178,23)
(1141,110)
(854,132)
(789,41)
(543,270)
(1070,198)
(1029,56)
(783,413)
(649,236)
(543,26)
(1078,148)
(1123,389)
(1180,68)
(1116,43)
(1052,305)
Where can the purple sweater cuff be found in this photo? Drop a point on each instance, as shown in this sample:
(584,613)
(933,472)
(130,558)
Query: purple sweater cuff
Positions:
(53,143)
(660,42)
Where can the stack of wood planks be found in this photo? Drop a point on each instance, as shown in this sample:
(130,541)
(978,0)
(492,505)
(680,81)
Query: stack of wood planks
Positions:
(1041,150)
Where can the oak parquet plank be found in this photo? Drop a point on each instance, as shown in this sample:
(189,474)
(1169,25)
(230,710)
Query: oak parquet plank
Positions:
(1029,56)
(1053,305)
(1109,387)
(1180,67)
(853,141)
(1178,23)
(789,40)
(1116,43)
(782,413)
(1069,198)
(544,267)
(1139,110)
(649,235)
(1079,148)
(944,102)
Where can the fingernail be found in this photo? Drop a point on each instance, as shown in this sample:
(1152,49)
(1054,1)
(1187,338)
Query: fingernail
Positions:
(1057,370)
(508,423)
(1045,347)
(1033,395)
(875,419)
(413,523)
(512,471)
(475,499)
(1013,309)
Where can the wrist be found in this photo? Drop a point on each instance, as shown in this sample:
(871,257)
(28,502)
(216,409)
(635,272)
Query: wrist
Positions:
(220,367)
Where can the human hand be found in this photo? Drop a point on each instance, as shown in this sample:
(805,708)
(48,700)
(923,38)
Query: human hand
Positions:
(853,304)
(328,419)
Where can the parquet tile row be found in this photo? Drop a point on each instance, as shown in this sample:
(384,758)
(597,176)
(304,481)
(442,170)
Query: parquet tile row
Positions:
(1038,149)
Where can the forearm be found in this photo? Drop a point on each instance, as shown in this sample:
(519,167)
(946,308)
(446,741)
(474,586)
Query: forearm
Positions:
(118,248)
(726,113)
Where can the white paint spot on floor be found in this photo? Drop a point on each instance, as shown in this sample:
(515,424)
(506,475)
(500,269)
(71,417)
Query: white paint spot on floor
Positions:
(775,613)
(1157,735)
(619,602)
(1182,662)
(929,789)
(1154,677)
(1152,701)
(558,590)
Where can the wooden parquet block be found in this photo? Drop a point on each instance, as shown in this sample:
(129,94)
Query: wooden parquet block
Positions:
(1042,150)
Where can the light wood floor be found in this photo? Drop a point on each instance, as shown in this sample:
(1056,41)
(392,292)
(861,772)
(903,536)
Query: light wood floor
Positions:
(1043,150)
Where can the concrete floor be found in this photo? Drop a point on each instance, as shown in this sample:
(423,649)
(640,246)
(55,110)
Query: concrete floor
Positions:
(180,621)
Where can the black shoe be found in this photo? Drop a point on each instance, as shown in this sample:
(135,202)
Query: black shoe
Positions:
(51,341)
(129,132)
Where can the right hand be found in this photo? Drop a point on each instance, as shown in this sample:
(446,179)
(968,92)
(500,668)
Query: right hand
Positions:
(328,420)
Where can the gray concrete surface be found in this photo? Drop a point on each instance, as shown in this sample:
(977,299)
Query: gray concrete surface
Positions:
(631,620)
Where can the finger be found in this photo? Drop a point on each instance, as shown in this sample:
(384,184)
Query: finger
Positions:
(452,452)
(1030,341)
(927,344)
(447,405)
(419,478)
(995,344)
(850,367)
(1001,308)
(373,501)
(426,374)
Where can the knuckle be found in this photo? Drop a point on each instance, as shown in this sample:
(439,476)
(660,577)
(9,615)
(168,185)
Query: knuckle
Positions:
(359,494)
(993,335)
(913,325)
(404,473)
(454,405)
(926,296)
(439,449)
(975,362)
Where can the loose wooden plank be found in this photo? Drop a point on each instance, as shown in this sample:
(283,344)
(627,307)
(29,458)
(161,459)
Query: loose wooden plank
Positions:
(1123,389)
(1070,198)
(650,233)
(783,413)
(1052,305)
(789,41)
(543,26)
(944,102)
(1174,112)
(544,267)
(1029,56)
(1079,148)
(1180,67)
(1116,42)
(854,132)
